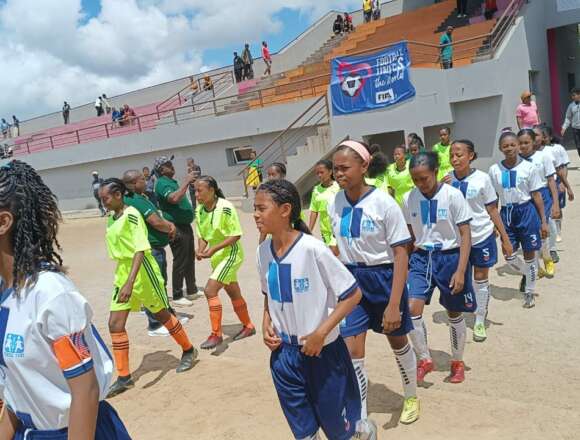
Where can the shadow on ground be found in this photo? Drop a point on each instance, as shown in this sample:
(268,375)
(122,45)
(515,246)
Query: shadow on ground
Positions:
(159,361)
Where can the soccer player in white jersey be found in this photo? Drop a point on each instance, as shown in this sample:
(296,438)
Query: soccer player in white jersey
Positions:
(544,133)
(518,184)
(476,187)
(307,292)
(372,239)
(438,217)
(544,163)
(54,367)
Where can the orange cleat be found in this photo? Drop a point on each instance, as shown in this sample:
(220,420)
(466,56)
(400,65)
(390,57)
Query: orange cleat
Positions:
(457,372)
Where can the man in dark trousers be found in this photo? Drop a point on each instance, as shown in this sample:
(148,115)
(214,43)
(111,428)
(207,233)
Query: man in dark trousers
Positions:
(238,67)
(95,185)
(248,62)
(177,209)
(66,112)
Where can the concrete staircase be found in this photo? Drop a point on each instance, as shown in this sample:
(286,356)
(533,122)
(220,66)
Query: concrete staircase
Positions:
(318,56)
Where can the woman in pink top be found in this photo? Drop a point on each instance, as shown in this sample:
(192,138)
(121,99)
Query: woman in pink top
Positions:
(527,112)
(267,58)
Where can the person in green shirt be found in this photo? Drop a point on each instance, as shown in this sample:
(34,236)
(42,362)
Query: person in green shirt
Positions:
(398,177)
(159,232)
(176,208)
(219,232)
(377,172)
(442,148)
(446,49)
(322,195)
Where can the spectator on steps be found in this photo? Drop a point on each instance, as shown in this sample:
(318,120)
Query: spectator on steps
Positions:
(207,83)
(267,58)
(66,112)
(446,49)
(338,25)
(367,10)
(5,127)
(248,62)
(376,9)
(128,115)
(116,117)
(238,67)
(106,104)
(527,113)
(193,88)
(99,106)
(15,126)
(348,26)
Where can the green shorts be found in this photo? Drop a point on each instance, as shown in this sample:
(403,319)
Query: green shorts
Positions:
(225,268)
(148,290)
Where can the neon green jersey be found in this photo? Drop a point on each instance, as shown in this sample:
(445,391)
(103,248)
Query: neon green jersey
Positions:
(217,225)
(400,181)
(444,159)
(321,197)
(127,235)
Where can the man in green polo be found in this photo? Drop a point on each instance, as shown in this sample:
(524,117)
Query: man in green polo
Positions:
(177,209)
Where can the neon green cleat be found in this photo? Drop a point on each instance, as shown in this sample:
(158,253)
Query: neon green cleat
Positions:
(411,410)
(550,268)
(479,334)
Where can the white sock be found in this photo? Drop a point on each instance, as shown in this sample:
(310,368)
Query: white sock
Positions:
(516,263)
(559,226)
(363,384)
(531,275)
(407,363)
(457,332)
(553,234)
(482,299)
(418,338)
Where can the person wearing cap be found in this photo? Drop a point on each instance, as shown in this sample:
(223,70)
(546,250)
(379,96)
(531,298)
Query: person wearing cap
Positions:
(95,185)
(527,113)
(177,209)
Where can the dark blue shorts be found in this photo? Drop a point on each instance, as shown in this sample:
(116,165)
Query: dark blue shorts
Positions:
(548,202)
(484,254)
(375,283)
(522,224)
(428,270)
(109,427)
(317,392)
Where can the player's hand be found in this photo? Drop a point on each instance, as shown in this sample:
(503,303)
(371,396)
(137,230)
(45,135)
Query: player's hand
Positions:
(570,196)
(271,339)
(544,231)
(312,344)
(334,250)
(457,282)
(125,293)
(556,213)
(507,248)
(391,318)
(200,254)
(447,179)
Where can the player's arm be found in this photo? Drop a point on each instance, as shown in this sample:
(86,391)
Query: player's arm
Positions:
(271,339)
(563,174)
(8,424)
(392,315)
(458,279)
(84,406)
(224,244)
(127,289)
(411,244)
(160,224)
(312,221)
(175,197)
(554,192)
(539,204)
(201,248)
(500,228)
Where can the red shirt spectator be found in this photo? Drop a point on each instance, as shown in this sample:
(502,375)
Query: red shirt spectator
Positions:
(267,58)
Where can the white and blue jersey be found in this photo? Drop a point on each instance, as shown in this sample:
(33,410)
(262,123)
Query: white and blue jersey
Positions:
(545,164)
(560,154)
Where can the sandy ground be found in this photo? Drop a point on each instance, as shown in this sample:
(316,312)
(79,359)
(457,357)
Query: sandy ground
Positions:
(522,382)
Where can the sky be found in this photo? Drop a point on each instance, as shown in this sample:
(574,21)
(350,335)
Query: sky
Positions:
(74,50)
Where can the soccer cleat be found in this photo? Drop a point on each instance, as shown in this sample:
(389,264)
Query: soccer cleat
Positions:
(541,272)
(479,334)
(523,284)
(187,359)
(555,257)
(558,238)
(550,268)
(424,366)
(411,410)
(161,331)
(212,342)
(529,301)
(193,296)
(457,372)
(245,332)
(369,433)
(182,302)
(121,385)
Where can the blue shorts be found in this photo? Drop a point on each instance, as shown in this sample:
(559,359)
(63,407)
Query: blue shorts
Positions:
(109,427)
(522,224)
(375,283)
(484,254)
(548,202)
(317,392)
(443,264)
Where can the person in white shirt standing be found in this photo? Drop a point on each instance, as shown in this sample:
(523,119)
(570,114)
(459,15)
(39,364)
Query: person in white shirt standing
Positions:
(54,365)
(307,292)
(476,187)
(438,217)
(372,238)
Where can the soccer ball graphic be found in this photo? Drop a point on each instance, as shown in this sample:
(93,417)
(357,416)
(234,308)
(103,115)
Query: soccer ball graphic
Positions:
(351,85)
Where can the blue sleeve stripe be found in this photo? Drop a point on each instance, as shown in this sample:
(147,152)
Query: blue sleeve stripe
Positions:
(348,292)
(78,370)
(464,222)
(402,242)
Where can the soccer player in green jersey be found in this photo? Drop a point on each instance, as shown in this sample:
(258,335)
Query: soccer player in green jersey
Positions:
(443,152)
(322,194)
(398,176)
(219,231)
(138,281)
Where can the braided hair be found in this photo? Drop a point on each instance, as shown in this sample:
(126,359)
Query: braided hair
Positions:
(36,219)
(283,191)
(212,183)
(114,185)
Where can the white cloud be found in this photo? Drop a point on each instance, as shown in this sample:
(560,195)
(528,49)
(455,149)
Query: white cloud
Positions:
(52,51)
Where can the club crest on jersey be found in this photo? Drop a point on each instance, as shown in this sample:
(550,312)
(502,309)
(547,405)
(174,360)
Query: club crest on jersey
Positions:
(442,213)
(301,285)
(14,346)
(368,225)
